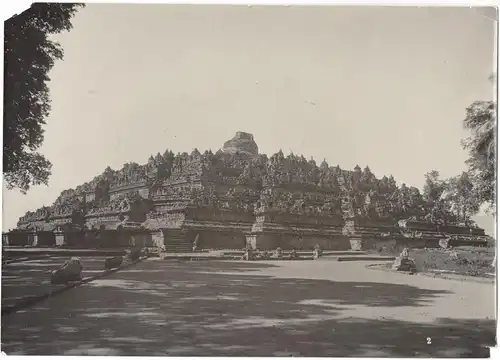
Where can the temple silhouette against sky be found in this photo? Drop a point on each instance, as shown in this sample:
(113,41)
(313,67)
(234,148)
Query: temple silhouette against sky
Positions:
(236,198)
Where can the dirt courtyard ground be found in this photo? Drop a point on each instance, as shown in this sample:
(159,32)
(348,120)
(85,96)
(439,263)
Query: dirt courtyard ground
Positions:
(233,308)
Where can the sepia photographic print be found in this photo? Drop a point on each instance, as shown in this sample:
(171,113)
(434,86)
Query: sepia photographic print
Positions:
(249,180)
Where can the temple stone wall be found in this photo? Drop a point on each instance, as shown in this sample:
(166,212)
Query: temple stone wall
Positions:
(289,241)
(305,220)
(46,238)
(237,194)
(398,243)
(20,238)
(211,214)
(74,239)
(213,239)
(461,230)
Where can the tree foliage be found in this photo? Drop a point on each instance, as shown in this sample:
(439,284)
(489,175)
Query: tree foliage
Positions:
(481,121)
(461,198)
(29,55)
(433,187)
(454,198)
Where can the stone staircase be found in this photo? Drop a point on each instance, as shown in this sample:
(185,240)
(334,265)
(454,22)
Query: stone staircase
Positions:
(176,242)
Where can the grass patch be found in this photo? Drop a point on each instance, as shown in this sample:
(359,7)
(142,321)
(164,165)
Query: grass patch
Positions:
(465,260)
(469,261)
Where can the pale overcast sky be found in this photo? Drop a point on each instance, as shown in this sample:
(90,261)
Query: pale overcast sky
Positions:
(384,87)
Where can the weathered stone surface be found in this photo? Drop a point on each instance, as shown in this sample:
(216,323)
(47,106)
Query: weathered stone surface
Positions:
(317,253)
(356,244)
(242,143)
(404,263)
(135,254)
(113,262)
(407,265)
(293,255)
(249,254)
(69,271)
(444,243)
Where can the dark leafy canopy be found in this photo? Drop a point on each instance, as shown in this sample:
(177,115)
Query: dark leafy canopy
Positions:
(481,119)
(455,196)
(461,198)
(433,188)
(29,56)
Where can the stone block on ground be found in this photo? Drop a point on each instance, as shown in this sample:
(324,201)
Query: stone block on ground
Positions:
(262,255)
(249,255)
(404,264)
(317,253)
(69,271)
(356,244)
(113,262)
(278,254)
(444,243)
(135,254)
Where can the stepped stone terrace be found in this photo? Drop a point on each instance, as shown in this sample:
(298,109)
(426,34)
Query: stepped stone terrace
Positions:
(237,198)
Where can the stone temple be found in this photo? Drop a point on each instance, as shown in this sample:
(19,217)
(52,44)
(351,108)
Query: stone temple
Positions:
(237,198)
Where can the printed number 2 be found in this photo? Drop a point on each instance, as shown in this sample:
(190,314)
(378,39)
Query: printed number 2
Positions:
(429,341)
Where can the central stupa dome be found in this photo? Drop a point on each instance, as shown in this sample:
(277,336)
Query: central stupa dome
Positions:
(242,143)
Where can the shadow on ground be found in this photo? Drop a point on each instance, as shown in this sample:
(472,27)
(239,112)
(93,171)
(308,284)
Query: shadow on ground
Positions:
(32,278)
(198,309)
